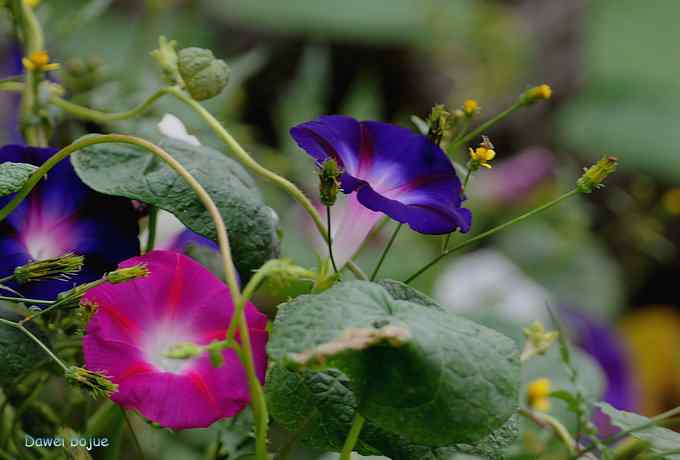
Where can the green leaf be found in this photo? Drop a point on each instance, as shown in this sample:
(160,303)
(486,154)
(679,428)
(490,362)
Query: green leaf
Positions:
(660,439)
(132,172)
(13,176)
(320,406)
(107,422)
(449,381)
(19,354)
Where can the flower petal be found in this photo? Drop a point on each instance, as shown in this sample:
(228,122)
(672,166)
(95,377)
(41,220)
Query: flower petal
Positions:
(393,170)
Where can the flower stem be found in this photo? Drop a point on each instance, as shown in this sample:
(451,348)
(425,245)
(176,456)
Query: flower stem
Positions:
(34,129)
(486,125)
(387,249)
(153,224)
(35,339)
(138,446)
(352,437)
(245,158)
(24,300)
(104,117)
(492,231)
(7,278)
(329,239)
(543,420)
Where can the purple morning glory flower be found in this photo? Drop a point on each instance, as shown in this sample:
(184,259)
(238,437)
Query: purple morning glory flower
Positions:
(387,169)
(63,215)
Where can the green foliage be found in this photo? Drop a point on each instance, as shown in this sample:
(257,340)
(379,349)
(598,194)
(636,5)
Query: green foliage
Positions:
(19,355)
(132,172)
(13,176)
(450,381)
(660,439)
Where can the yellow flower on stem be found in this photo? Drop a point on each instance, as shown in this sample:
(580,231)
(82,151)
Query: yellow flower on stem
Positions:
(470,107)
(538,393)
(482,155)
(39,61)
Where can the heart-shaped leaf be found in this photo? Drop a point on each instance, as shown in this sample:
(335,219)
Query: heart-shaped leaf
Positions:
(132,172)
(415,371)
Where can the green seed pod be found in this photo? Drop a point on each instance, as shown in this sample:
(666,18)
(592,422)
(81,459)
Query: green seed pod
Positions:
(203,75)
(19,354)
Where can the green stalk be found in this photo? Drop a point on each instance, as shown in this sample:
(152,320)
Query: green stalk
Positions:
(35,339)
(329,239)
(486,125)
(104,117)
(24,300)
(387,249)
(352,437)
(153,224)
(492,231)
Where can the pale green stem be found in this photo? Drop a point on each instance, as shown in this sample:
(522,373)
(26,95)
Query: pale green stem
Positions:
(387,249)
(490,232)
(352,437)
(543,420)
(138,446)
(104,117)
(35,339)
(24,300)
(153,224)
(356,270)
(222,238)
(486,125)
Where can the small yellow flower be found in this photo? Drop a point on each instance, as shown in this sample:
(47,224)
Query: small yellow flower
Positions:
(39,61)
(538,392)
(535,94)
(470,107)
(32,3)
(671,201)
(482,155)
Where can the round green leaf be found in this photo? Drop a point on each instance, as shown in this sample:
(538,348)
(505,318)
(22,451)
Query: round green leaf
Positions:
(443,380)
(132,172)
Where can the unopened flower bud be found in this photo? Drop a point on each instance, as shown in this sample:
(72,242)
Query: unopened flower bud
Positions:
(96,383)
(593,177)
(470,108)
(58,268)
(166,56)
(128,273)
(537,93)
(39,61)
(283,272)
(538,340)
(439,123)
(183,350)
(203,75)
(329,181)
(538,393)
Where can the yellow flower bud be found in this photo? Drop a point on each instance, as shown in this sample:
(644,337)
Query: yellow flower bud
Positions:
(538,392)
(537,93)
(671,201)
(470,107)
(32,3)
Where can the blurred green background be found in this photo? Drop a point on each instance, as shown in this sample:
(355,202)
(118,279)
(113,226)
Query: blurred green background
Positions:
(613,66)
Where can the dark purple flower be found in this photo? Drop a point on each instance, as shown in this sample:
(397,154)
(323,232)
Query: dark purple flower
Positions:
(392,170)
(63,215)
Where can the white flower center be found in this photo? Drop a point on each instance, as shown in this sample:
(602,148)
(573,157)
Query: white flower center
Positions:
(160,341)
(42,245)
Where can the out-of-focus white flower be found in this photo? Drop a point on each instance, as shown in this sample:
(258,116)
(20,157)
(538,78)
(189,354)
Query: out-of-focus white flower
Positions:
(172,127)
(487,281)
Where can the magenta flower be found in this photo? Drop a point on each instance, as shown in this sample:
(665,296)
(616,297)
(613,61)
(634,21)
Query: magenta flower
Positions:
(138,322)
(387,170)
(63,215)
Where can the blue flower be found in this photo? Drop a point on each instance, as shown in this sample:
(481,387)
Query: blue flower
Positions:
(63,215)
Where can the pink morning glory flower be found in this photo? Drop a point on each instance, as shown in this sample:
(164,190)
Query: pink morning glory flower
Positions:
(63,215)
(386,170)
(139,322)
